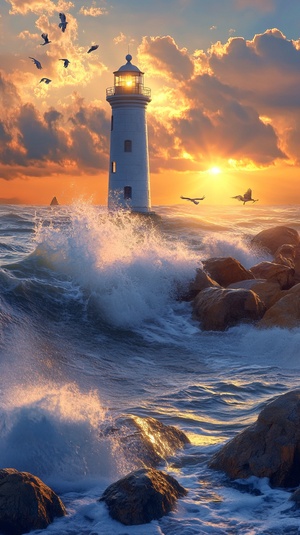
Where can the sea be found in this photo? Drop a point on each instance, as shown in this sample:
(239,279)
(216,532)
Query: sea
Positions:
(94,327)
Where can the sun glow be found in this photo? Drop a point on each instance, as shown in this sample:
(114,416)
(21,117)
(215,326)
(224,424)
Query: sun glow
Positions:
(214,170)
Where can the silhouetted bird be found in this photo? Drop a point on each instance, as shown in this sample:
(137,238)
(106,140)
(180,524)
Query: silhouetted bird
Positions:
(195,200)
(36,62)
(66,62)
(93,47)
(63,23)
(246,197)
(46,80)
(46,40)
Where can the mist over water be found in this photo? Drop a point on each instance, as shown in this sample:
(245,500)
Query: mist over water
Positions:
(92,327)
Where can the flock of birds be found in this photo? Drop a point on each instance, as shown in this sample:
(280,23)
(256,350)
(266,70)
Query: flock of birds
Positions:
(62,25)
(244,198)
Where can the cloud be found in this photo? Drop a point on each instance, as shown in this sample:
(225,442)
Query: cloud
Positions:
(92,11)
(22,7)
(162,57)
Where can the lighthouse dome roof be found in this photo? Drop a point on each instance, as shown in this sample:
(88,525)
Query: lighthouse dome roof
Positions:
(128,67)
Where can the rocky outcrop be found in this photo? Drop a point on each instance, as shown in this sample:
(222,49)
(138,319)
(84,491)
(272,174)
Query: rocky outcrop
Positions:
(273,238)
(145,441)
(142,496)
(285,313)
(26,503)
(226,270)
(268,448)
(272,272)
(217,308)
(268,292)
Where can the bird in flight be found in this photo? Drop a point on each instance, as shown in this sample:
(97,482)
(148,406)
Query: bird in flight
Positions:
(93,47)
(46,80)
(46,40)
(195,200)
(36,62)
(66,62)
(63,22)
(246,197)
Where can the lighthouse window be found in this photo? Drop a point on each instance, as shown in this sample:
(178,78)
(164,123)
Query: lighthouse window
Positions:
(127,145)
(113,167)
(127,192)
(112,123)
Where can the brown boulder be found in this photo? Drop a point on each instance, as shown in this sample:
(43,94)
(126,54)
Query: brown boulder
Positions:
(226,270)
(202,280)
(142,496)
(268,448)
(271,239)
(219,308)
(268,292)
(284,313)
(284,275)
(26,503)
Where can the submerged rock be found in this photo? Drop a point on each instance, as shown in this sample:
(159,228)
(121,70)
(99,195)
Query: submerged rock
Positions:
(145,441)
(142,496)
(273,238)
(226,270)
(217,309)
(26,503)
(268,448)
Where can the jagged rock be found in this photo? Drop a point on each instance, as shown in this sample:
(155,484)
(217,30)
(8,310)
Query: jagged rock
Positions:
(268,448)
(226,270)
(142,496)
(271,239)
(284,313)
(202,280)
(145,441)
(284,275)
(268,292)
(219,308)
(26,503)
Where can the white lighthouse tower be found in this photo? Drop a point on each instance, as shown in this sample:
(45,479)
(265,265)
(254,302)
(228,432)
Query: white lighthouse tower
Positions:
(129,178)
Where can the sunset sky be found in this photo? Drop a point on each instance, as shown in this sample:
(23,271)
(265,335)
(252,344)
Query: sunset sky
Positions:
(225,109)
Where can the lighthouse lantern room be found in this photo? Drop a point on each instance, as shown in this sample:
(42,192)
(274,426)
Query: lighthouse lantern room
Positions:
(129,178)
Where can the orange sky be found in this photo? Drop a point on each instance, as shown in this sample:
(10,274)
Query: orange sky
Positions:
(225,110)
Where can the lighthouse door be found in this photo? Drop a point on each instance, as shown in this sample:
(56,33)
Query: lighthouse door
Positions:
(127,192)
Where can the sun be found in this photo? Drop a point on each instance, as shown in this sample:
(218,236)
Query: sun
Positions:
(214,170)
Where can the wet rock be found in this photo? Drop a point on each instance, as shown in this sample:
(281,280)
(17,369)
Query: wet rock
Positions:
(271,239)
(268,448)
(142,496)
(26,503)
(202,280)
(219,308)
(285,313)
(226,270)
(282,274)
(268,292)
(286,255)
(145,441)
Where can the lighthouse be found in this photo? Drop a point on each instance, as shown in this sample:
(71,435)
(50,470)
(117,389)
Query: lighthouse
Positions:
(129,176)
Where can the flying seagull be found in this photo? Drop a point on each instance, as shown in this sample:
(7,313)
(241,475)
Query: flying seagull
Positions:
(46,80)
(63,23)
(195,200)
(46,40)
(36,62)
(246,197)
(93,47)
(66,62)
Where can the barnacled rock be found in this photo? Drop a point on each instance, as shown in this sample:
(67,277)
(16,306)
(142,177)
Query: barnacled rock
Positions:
(268,448)
(142,496)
